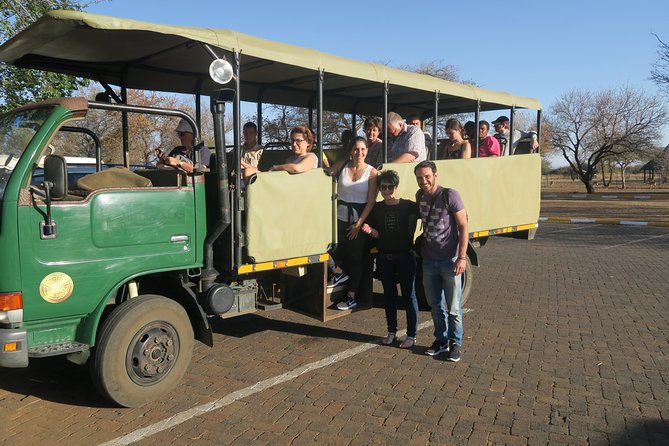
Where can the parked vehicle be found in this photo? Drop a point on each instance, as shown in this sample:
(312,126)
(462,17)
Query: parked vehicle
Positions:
(125,269)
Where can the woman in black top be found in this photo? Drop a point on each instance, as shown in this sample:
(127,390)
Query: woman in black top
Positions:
(392,223)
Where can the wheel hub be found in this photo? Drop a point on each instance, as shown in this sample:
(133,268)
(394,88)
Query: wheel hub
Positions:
(153,353)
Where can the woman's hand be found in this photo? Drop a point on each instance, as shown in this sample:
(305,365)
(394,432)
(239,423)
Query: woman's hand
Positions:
(366,229)
(353,230)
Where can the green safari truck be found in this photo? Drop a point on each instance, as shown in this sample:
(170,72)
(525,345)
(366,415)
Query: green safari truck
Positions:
(124,268)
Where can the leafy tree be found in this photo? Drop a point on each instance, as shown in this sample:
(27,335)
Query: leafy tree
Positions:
(18,86)
(589,126)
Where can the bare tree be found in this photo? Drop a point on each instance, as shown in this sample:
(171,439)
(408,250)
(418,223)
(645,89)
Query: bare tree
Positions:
(589,126)
(145,132)
(281,119)
(659,73)
(436,68)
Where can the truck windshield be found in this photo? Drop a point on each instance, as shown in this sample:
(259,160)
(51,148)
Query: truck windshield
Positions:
(17,129)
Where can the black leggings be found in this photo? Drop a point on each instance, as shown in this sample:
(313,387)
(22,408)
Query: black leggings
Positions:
(349,255)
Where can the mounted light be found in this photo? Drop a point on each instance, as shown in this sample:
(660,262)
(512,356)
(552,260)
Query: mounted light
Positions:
(220,71)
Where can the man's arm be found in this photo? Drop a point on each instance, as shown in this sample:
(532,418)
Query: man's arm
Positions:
(307,163)
(463,241)
(414,146)
(406,157)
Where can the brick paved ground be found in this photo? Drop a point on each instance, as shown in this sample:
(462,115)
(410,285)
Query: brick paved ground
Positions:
(567,343)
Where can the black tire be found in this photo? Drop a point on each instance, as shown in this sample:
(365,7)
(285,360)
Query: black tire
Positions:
(143,350)
(467,283)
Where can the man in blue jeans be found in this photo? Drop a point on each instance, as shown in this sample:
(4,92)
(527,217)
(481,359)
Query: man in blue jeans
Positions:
(444,251)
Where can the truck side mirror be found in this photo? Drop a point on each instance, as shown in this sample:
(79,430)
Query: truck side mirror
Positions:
(55,175)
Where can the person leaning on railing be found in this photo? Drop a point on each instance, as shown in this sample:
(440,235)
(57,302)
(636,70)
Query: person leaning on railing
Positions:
(455,146)
(503,133)
(302,159)
(408,141)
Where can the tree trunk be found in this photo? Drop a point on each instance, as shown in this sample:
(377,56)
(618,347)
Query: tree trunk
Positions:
(588,184)
(606,183)
(610,177)
(622,176)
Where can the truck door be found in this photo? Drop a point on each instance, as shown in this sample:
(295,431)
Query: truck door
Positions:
(101,240)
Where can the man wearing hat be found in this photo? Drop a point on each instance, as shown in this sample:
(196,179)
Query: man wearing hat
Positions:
(182,156)
(502,128)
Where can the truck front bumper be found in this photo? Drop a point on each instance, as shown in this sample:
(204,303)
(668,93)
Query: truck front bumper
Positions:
(13,347)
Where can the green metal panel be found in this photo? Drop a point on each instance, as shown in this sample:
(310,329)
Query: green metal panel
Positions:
(103,241)
(10,279)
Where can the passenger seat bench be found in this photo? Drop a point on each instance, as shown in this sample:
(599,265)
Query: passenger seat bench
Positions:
(162,177)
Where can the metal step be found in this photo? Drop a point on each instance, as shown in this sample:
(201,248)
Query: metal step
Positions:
(42,351)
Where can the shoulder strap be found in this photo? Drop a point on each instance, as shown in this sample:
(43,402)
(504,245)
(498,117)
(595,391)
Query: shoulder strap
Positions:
(445,200)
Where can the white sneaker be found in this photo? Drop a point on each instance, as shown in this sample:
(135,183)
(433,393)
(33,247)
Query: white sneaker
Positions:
(347,304)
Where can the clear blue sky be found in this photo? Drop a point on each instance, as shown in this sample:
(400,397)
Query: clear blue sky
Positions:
(539,49)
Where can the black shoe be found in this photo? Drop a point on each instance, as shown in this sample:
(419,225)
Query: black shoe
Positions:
(348,304)
(437,348)
(337,279)
(454,353)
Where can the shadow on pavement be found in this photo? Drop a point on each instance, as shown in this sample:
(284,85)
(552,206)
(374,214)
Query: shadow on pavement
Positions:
(252,323)
(655,432)
(52,379)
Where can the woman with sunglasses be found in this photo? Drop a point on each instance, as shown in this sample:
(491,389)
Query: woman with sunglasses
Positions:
(393,223)
(302,159)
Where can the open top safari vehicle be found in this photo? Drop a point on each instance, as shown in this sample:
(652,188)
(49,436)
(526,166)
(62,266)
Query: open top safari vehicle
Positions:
(123,268)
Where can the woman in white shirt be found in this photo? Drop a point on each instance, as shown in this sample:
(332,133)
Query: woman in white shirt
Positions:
(356,193)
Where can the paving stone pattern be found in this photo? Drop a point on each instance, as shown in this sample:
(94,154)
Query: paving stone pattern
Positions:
(566,342)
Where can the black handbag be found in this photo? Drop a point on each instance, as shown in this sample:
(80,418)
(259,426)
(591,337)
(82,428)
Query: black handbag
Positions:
(418,244)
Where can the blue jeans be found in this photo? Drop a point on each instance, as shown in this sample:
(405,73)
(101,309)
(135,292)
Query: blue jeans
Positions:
(392,267)
(443,292)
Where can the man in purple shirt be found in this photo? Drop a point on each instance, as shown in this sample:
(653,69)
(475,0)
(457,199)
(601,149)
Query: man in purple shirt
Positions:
(444,251)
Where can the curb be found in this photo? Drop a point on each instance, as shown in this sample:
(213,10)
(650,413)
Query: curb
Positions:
(578,196)
(603,221)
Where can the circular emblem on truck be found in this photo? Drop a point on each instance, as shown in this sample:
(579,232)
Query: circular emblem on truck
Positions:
(56,287)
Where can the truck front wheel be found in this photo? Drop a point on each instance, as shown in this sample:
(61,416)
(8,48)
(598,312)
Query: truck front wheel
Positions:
(143,350)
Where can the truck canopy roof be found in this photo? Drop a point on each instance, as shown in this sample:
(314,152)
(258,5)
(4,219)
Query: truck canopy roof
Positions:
(169,58)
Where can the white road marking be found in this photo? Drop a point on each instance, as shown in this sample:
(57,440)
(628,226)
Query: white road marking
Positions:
(193,412)
(571,228)
(635,241)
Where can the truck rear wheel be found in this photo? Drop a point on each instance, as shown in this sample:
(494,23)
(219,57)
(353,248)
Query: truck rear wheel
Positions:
(467,283)
(143,350)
